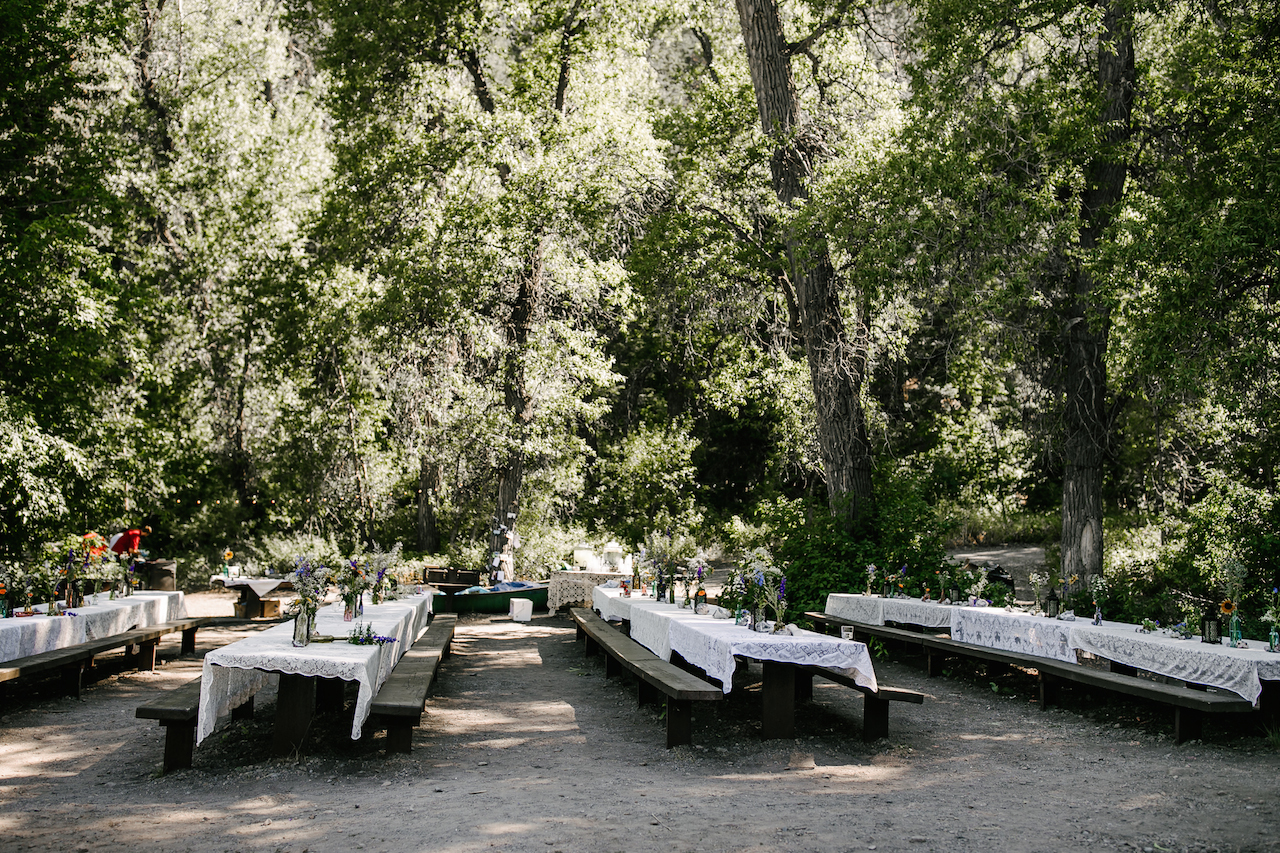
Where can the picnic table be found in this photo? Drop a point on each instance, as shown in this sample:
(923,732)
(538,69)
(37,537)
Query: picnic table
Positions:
(252,590)
(713,645)
(1240,671)
(574,587)
(101,617)
(878,610)
(234,673)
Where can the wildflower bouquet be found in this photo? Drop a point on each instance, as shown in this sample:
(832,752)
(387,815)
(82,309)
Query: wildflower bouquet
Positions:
(352,579)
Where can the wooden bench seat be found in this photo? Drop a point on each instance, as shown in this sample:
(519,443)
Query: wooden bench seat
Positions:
(655,676)
(1190,702)
(875,703)
(177,711)
(73,660)
(402,697)
(1189,705)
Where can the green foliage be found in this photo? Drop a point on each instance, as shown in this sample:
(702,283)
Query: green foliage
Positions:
(822,558)
(646,482)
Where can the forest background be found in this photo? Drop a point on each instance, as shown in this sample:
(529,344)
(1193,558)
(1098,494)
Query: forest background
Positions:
(850,280)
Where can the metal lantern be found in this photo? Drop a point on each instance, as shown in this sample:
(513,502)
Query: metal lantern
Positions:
(1210,627)
(1052,605)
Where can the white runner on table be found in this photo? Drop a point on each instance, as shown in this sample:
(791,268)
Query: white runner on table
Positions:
(235,672)
(997,628)
(1241,671)
(22,636)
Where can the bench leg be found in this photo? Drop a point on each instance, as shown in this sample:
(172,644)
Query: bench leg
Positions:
(1048,691)
(243,711)
(648,694)
(399,736)
(147,656)
(189,640)
(679,722)
(72,679)
(611,666)
(778,701)
(934,663)
(295,705)
(1188,724)
(179,744)
(589,646)
(875,718)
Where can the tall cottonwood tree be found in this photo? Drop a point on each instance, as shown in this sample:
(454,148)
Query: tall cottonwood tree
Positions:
(837,360)
(489,173)
(1043,98)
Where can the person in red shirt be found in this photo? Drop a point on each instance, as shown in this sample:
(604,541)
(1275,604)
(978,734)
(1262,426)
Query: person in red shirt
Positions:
(130,541)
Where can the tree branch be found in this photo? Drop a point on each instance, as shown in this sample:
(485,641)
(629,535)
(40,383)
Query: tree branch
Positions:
(833,21)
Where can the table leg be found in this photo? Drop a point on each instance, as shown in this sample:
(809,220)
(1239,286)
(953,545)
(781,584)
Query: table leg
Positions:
(295,706)
(252,604)
(778,700)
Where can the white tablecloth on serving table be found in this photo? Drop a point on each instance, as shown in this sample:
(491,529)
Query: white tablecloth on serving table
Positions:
(877,610)
(997,628)
(1241,671)
(575,587)
(235,672)
(260,586)
(22,636)
(711,644)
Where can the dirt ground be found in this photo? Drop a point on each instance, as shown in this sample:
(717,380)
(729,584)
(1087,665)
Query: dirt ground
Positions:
(527,747)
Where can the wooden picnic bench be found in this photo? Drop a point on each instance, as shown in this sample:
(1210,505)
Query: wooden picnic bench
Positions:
(1190,702)
(177,711)
(875,703)
(72,661)
(654,676)
(403,696)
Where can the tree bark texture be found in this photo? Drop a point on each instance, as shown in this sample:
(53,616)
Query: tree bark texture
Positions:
(1087,415)
(836,366)
(518,402)
(428,494)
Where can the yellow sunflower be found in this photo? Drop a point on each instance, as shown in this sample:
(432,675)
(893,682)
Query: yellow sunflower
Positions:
(1227,606)
(227,555)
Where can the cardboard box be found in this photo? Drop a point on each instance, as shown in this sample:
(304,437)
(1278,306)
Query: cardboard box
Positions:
(270,608)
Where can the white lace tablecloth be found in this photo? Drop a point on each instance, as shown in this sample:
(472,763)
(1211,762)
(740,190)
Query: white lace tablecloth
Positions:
(22,636)
(996,628)
(1241,671)
(649,626)
(877,610)
(235,672)
(567,588)
(711,644)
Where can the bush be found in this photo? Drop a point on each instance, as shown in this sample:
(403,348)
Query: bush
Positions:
(821,557)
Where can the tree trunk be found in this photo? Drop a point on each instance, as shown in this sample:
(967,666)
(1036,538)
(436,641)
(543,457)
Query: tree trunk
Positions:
(519,405)
(1088,320)
(836,366)
(428,492)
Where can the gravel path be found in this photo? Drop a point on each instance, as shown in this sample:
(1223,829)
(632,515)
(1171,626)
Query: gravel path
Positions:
(527,747)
